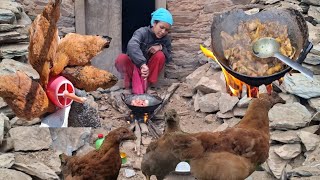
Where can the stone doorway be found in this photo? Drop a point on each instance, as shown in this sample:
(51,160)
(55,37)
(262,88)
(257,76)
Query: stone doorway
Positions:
(134,16)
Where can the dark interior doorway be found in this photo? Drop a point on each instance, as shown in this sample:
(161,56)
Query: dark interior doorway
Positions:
(135,14)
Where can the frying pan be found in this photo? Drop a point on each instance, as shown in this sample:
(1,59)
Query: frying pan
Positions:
(229,22)
(154,102)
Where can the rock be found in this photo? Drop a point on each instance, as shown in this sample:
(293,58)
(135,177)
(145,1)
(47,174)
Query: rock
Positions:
(289,98)
(10,66)
(10,174)
(309,140)
(244,102)
(289,116)
(305,171)
(227,102)
(299,85)
(2,133)
(37,169)
(13,50)
(222,127)
(225,115)
(232,122)
(315,103)
(315,13)
(288,151)
(7,145)
(210,118)
(275,163)
(185,90)
(68,140)
(209,85)
(311,2)
(209,102)
(312,59)
(239,112)
(16,121)
(30,138)
(6,160)
(196,75)
(314,33)
(289,136)
(6,16)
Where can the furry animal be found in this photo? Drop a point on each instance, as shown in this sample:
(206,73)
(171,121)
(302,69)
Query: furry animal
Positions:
(102,164)
(43,43)
(159,160)
(25,97)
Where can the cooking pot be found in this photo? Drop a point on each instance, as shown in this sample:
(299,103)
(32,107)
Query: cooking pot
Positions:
(154,102)
(229,22)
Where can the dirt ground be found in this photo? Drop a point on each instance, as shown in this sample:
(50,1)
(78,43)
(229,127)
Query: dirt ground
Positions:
(190,121)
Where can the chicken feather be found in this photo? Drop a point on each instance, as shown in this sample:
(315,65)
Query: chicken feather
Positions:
(43,43)
(102,164)
(159,160)
(231,154)
(25,97)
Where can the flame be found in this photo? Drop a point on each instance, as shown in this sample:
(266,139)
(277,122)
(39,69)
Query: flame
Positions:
(145,117)
(233,85)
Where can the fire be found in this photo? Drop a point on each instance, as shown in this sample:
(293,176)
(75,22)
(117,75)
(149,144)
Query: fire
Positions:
(233,85)
(145,117)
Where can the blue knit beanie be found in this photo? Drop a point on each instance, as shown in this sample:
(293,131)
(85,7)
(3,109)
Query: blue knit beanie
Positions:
(163,15)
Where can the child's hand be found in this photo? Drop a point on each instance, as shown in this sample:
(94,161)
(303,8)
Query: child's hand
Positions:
(144,71)
(155,48)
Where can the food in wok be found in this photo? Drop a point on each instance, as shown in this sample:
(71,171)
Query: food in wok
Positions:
(140,102)
(237,48)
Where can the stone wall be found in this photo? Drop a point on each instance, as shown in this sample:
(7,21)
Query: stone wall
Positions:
(66,22)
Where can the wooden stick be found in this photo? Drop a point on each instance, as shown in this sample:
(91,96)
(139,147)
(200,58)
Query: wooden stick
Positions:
(155,132)
(137,132)
(152,128)
(171,90)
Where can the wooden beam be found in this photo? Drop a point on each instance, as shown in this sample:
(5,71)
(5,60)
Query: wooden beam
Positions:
(80,16)
(161,4)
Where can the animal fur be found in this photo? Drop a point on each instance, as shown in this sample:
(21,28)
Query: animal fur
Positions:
(78,50)
(43,45)
(102,164)
(89,78)
(25,97)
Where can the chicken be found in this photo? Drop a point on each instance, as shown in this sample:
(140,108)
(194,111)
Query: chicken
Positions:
(158,160)
(43,43)
(234,153)
(25,97)
(102,164)
(78,50)
(89,78)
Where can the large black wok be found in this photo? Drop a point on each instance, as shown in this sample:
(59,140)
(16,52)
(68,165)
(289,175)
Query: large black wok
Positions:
(154,102)
(229,22)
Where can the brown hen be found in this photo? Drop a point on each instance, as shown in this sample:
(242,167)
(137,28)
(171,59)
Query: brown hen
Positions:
(159,160)
(89,78)
(102,164)
(78,50)
(43,35)
(25,97)
(234,153)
